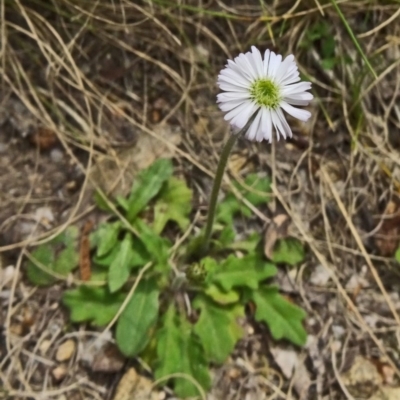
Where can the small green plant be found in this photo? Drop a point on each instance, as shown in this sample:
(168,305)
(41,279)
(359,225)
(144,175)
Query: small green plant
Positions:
(178,305)
(179,314)
(319,35)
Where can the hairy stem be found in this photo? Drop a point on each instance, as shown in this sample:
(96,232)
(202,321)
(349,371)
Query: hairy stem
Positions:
(215,190)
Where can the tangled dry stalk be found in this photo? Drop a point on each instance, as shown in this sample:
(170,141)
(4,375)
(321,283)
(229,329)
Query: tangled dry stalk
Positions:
(99,76)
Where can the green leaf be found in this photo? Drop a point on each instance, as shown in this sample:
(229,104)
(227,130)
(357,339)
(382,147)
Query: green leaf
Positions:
(147,185)
(66,261)
(179,351)
(119,270)
(105,261)
(94,304)
(226,210)
(249,244)
(231,206)
(261,188)
(226,237)
(397,255)
(139,255)
(101,202)
(106,237)
(329,63)
(288,251)
(220,296)
(168,339)
(57,258)
(123,203)
(247,271)
(282,317)
(156,246)
(217,328)
(173,204)
(44,255)
(138,319)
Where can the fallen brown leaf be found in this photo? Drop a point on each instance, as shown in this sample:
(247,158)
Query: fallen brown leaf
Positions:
(387,238)
(85,269)
(44,138)
(108,359)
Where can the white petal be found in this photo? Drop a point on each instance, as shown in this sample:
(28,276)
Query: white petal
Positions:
(295,102)
(281,126)
(227,96)
(266,126)
(257,60)
(296,88)
(229,87)
(290,77)
(241,114)
(274,63)
(266,62)
(230,74)
(236,111)
(229,105)
(241,119)
(274,118)
(232,65)
(233,80)
(284,68)
(300,99)
(299,113)
(252,64)
(285,125)
(254,127)
(246,66)
(242,67)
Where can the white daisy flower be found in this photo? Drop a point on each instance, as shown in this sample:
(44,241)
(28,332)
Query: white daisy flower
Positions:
(262,88)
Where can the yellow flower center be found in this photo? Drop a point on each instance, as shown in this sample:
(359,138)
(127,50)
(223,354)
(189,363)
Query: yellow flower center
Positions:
(266,93)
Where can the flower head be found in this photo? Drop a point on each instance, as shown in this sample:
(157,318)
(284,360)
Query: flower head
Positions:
(261,88)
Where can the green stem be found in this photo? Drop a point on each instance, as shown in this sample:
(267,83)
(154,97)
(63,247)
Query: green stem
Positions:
(215,190)
(353,38)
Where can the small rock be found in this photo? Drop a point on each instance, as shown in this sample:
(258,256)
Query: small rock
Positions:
(363,378)
(286,360)
(134,386)
(250,330)
(356,282)
(66,350)
(44,346)
(59,372)
(27,228)
(56,155)
(320,276)
(338,331)
(386,393)
(234,373)
(45,216)
(88,350)
(17,329)
(7,275)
